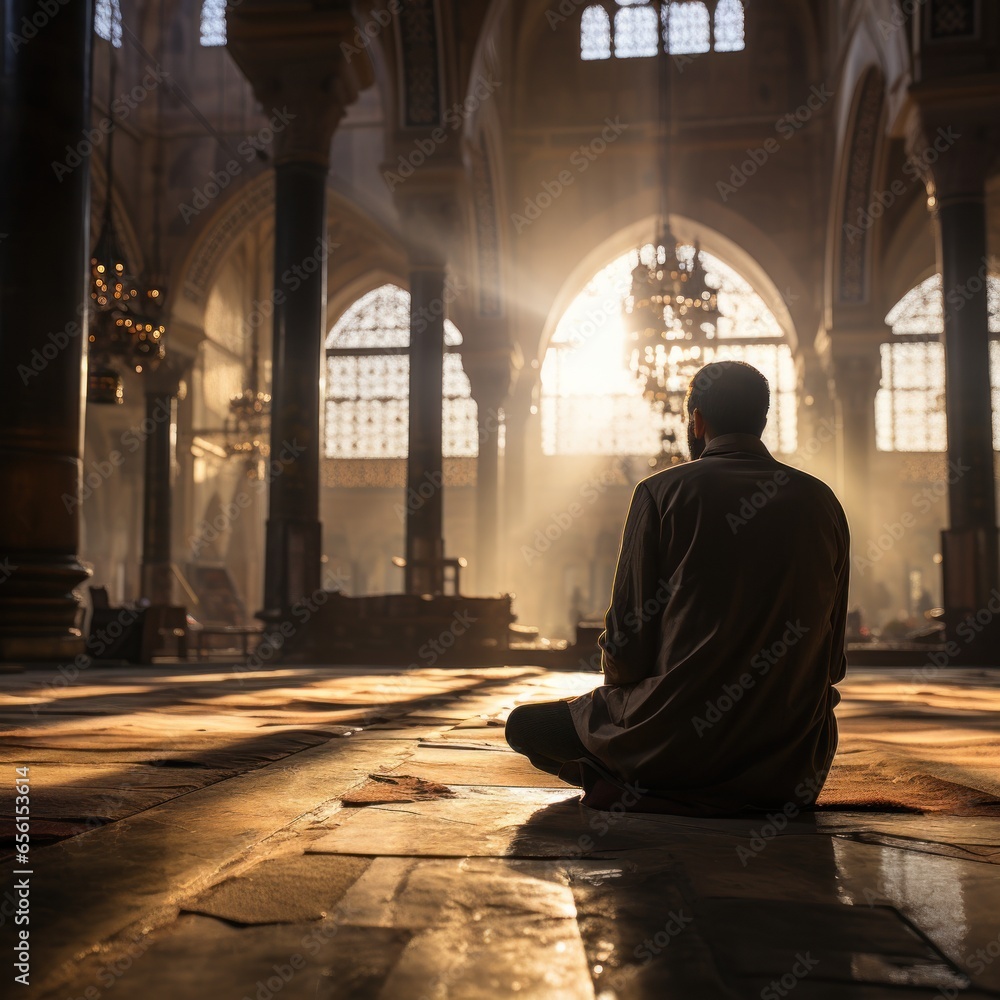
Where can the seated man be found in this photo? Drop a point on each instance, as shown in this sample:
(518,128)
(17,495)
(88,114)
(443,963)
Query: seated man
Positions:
(725,633)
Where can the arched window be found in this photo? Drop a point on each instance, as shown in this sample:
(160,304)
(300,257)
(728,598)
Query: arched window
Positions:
(729,28)
(595,34)
(213,22)
(909,406)
(591,402)
(367,382)
(627,28)
(635,29)
(688,29)
(108,21)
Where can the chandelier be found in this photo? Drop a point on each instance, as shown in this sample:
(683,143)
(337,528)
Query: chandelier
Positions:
(671,310)
(125,327)
(249,414)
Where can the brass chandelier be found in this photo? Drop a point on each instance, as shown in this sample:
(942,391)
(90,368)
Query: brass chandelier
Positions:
(671,310)
(125,324)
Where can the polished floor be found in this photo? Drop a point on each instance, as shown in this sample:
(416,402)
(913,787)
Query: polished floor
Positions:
(212,832)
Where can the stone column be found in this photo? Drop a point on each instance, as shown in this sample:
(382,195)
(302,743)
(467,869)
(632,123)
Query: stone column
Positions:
(852,361)
(305,79)
(957,149)
(490,378)
(424,460)
(44,249)
(428,211)
(517,417)
(158,482)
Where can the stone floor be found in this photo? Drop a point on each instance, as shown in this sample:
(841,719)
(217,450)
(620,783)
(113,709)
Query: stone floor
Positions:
(211,832)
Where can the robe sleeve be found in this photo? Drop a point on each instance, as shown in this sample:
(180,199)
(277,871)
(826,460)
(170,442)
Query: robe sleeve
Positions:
(838,659)
(630,639)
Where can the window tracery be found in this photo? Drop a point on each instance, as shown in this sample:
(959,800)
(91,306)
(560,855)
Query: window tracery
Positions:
(108,21)
(627,29)
(910,404)
(367,383)
(213,22)
(592,404)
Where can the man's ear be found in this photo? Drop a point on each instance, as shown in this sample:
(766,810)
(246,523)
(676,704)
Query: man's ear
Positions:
(697,423)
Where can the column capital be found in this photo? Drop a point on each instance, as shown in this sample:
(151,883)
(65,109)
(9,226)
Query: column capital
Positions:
(303,68)
(852,359)
(492,372)
(430,215)
(165,379)
(952,137)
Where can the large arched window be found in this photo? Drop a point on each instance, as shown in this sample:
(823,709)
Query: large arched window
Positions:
(687,28)
(627,29)
(367,382)
(213,22)
(591,402)
(729,26)
(108,21)
(909,406)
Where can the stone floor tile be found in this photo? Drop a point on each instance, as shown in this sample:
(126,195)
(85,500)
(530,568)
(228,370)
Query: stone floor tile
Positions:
(284,890)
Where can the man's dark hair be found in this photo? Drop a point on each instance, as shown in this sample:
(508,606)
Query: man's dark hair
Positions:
(733,397)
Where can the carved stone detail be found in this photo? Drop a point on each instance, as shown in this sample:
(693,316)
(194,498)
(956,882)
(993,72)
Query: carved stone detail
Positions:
(419,48)
(855,249)
(487,233)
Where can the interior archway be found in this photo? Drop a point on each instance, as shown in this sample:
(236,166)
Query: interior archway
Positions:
(591,402)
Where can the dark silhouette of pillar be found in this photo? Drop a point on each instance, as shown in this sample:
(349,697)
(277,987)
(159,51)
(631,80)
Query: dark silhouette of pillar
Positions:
(306,74)
(424,462)
(969,544)
(490,378)
(294,536)
(44,248)
(955,176)
(158,482)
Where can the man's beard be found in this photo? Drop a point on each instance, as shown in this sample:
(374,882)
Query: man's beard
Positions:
(695,445)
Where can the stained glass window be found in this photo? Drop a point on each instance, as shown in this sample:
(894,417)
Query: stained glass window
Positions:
(108,21)
(213,22)
(630,29)
(687,27)
(595,34)
(729,28)
(591,402)
(910,404)
(367,382)
(635,32)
